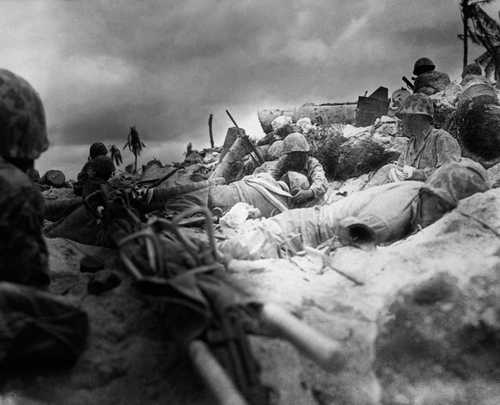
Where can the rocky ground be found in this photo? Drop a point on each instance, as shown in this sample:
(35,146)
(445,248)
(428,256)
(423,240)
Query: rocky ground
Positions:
(423,329)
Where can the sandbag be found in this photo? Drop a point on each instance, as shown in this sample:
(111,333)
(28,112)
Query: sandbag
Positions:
(38,329)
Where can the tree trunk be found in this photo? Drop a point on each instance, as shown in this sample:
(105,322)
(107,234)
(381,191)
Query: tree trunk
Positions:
(496,57)
(465,5)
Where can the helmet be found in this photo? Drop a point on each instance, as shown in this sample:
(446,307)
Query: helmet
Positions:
(423,65)
(295,142)
(97,149)
(280,121)
(457,180)
(102,167)
(23,131)
(417,104)
(275,150)
(472,69)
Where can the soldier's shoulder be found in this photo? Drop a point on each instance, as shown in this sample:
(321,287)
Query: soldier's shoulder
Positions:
(13,180)
(441,133)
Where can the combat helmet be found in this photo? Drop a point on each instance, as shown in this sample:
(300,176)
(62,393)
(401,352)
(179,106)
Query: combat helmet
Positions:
(417,104)
(97,149)
(102,167)
(423,65)
(23,130)
(295,142)
(275,150)
(457,180)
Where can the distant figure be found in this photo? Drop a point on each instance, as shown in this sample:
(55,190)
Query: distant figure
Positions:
(473,69)
(428,80)
(134,144)
(98,172)
(96,149)
(116,155)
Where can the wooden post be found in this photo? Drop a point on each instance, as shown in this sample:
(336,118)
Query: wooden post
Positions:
(260,159)
(465,16)
(210,132)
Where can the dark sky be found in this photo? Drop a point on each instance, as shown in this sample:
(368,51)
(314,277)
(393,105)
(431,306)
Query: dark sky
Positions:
(102,65)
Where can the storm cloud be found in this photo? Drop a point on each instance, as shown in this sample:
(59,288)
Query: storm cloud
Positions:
(164,65)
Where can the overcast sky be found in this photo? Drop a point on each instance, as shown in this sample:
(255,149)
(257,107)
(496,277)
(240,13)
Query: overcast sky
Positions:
(103,65)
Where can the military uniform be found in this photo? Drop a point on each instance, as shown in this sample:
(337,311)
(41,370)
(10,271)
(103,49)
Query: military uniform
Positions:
(437,148)
(379,214)
(431,82)
(312,169)
(23,252)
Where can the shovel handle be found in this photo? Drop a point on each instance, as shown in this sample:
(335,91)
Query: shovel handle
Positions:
(214,375)
(315,345)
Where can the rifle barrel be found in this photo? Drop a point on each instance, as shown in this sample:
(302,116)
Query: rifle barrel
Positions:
(214,375)
(312,343)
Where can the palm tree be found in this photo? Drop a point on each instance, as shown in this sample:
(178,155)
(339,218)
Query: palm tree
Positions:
(134,144)
(482,30)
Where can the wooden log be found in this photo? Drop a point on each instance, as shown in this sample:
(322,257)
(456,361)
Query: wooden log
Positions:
(329,113)
(210,131)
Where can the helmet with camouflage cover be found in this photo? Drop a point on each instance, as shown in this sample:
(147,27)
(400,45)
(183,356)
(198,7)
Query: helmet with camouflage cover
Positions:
(417,104)
(275,150)
(457,180)
(23,131)
(101,167)
(97,149)
(295,142)
(423,65)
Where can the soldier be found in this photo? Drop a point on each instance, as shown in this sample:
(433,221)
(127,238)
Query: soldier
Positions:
(23,138)
(373,216)
(429,80)
(98,172)
(428,148)
(295,157)
(96,149)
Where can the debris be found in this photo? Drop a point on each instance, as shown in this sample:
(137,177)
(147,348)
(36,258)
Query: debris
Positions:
(238,214)
(371,107)
(102,281)
(91,264)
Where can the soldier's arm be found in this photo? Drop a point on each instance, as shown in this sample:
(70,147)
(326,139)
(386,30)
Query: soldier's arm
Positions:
(278,170)
(316,174)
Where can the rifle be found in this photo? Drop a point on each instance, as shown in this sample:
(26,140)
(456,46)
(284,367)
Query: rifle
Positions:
(410,85)
(210,313)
